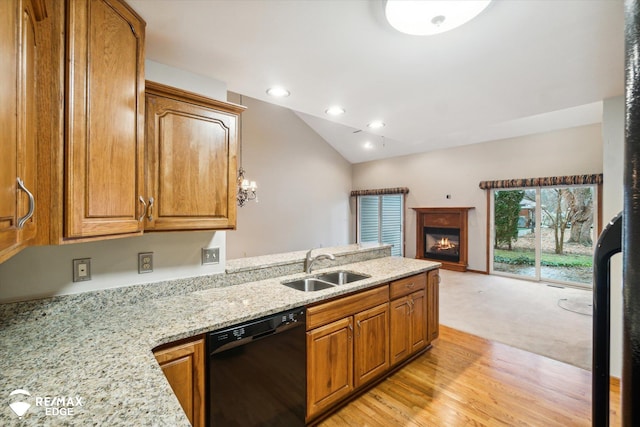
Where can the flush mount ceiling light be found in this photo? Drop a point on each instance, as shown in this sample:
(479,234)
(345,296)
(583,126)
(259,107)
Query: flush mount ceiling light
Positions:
(376,124)
(335,110)
(427,17)
(278,92)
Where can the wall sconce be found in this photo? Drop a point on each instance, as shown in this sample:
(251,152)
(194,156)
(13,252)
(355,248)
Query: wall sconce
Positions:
(246,189)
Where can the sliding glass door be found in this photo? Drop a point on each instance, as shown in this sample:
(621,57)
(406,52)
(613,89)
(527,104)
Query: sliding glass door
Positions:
(514,224)
(544,233)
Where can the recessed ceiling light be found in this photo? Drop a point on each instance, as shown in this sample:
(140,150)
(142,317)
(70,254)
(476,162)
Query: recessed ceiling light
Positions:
(368,145)
(335,110)
(422,18)
(376,124)
(278,92)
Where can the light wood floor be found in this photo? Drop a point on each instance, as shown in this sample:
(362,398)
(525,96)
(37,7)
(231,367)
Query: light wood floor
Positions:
(467,380)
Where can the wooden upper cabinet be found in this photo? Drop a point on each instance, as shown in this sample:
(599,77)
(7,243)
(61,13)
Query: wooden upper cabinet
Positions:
(104,150)
(191,145)
(18,122)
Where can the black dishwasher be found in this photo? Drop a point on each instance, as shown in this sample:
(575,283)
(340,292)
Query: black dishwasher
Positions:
(257,372)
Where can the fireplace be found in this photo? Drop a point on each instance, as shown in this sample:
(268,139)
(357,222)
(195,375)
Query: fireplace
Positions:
(442,243)
(442,236)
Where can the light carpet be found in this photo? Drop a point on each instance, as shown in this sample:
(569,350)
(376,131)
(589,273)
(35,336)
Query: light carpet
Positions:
(532,316)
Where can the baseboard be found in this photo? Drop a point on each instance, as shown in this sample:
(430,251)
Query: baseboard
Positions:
(477,271)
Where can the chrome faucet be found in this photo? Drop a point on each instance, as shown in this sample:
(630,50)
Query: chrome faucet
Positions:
(308,262)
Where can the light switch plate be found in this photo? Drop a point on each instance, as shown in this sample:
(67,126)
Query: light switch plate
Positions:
(210,256)
(145,262)
(81,269)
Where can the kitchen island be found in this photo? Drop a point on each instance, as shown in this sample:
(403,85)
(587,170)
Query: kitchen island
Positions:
(87,359)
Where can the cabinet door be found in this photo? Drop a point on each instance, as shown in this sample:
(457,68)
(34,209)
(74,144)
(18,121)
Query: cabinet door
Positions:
(18,122)
(191,165)
(104,120)
(9,17)
(418,319)
(433,305)
(27,123)
(371,344)
(329,364)
(400,328)
(183,365)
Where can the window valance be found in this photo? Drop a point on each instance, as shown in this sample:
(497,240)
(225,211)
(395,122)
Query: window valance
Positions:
(548,181)
(380,191)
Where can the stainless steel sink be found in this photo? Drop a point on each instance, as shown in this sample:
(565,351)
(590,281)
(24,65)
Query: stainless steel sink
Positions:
(342,277)
(309,285)
(325,281)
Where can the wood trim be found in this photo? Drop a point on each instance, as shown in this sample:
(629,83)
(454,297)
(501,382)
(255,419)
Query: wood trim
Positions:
(159,89)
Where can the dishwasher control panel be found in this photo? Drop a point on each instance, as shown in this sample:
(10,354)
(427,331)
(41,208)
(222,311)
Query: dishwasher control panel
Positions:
(255,329)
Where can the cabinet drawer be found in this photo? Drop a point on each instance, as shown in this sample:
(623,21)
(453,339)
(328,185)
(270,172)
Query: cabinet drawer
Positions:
(407,285)
(327,312)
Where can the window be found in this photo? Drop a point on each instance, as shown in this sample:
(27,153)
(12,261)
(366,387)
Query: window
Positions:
(381,219)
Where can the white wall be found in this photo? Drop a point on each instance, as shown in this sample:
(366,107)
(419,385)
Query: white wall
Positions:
(47,271)
(612,203)
(458,171)
(303,185)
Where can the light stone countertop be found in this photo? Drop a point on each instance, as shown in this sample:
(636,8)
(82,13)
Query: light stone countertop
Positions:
(101,357)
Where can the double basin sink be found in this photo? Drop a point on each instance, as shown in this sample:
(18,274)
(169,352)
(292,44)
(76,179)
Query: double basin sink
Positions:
(325,281)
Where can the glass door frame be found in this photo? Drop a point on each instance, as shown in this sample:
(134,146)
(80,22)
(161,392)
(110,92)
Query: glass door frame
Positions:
(538,218)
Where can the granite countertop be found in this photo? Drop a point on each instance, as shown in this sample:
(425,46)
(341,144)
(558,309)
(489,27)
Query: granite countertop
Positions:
(97,362)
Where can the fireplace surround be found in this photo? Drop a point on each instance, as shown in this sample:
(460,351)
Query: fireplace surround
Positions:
(441,235)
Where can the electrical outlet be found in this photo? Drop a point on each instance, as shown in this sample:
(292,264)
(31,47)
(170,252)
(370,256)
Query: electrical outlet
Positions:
(145,262)
(210,256)
(81,269)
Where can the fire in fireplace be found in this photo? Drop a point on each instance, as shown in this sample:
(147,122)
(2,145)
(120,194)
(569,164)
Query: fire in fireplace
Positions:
(442,243)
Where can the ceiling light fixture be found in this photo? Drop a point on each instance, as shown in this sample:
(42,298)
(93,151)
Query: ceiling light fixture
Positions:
(335,110)
(376,124)
(278,92)
(427,17)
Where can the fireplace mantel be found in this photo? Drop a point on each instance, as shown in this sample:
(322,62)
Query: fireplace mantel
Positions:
(443,218)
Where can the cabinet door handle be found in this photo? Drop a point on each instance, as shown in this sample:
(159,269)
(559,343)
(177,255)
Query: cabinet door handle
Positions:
(150,209)
(411,285)
(144,208)
(32,204)
(410,304)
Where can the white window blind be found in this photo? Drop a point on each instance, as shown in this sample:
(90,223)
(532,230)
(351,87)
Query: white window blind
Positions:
(380,219)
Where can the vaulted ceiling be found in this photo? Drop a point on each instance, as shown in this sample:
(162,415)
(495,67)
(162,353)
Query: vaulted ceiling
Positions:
(521,67)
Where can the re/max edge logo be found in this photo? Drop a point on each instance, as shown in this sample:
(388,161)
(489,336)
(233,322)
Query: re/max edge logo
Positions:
(21,401)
